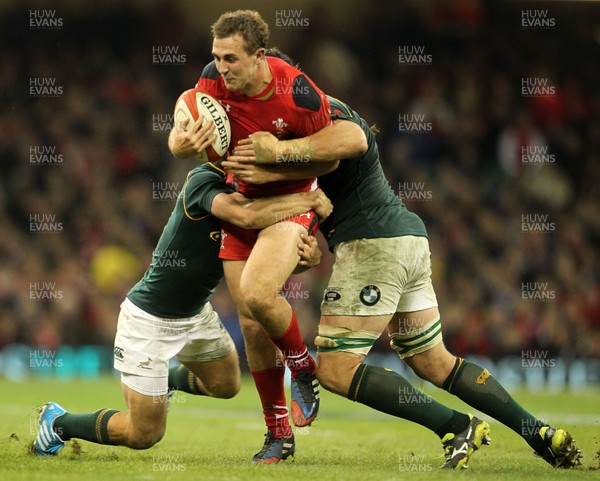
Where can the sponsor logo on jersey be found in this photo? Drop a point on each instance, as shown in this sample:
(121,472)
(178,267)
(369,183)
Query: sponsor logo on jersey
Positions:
(215,235)
(370,295)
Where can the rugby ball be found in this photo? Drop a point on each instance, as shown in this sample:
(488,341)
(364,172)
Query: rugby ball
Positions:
(195,102)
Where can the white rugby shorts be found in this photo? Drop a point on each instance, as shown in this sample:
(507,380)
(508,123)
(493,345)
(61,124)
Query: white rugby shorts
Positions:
(376,277)
(144,343)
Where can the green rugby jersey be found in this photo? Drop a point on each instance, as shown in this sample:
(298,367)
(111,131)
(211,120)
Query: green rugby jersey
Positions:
(186,268)
(365,206)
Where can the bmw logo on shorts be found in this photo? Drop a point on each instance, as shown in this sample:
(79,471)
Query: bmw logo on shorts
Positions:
(370,295)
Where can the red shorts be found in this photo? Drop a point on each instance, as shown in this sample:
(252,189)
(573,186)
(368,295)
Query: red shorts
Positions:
(237,243)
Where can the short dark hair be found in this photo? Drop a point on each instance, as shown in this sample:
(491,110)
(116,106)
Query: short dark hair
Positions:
(275,52)
(247,23)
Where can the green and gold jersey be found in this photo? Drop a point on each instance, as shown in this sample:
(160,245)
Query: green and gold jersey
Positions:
(364,204)
(185,268)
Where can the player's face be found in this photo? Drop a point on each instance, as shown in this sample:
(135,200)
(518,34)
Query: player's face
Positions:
(237,67)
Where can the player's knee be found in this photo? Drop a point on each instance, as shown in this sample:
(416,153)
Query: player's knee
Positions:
(341,351)
(145,439)
(230,390)
(422,349)
(257,304)
(432,365)
(256,299)
(225,389)
(334,376)
(327,378)
(251,330)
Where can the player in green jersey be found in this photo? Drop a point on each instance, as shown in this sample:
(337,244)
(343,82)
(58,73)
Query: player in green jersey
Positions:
(168,314)
(381,280)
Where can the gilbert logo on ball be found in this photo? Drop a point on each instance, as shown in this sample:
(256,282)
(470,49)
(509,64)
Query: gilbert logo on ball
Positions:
(195,102)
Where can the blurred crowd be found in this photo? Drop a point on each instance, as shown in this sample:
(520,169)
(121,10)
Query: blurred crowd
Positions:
(507,183)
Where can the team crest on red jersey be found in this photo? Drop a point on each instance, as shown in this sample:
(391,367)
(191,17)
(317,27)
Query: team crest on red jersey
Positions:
(280,126)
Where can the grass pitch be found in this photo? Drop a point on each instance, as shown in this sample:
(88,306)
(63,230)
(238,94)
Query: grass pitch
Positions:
(212,439)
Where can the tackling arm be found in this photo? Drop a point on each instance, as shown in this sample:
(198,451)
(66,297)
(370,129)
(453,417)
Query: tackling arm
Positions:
(341,140)
(263,173)
(263,212)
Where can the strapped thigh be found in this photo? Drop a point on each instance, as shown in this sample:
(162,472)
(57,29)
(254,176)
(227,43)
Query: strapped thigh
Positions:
(417,340)
(333,339)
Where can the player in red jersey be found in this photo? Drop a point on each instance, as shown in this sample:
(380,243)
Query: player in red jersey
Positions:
(261,92)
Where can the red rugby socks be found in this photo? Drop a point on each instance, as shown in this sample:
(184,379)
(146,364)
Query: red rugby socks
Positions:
(269,384)
(290,343)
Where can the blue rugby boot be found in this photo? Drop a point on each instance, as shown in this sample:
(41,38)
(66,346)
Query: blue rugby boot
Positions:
(47,442)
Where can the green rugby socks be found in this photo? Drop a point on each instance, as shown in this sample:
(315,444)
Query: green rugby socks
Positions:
(182,379)
(476,386)
(388,392)
(91,427)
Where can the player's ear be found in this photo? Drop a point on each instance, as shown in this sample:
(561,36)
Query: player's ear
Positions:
(260,54)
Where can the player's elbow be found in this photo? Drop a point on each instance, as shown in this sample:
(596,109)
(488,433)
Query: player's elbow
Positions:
(361,144)
(355,140)
(246,219)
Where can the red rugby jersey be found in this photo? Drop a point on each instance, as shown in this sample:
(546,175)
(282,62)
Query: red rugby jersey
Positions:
(290,107)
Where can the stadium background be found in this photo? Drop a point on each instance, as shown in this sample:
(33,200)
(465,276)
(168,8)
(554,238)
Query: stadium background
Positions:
(507,183)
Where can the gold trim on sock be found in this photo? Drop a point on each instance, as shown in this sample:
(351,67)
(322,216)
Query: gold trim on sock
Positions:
(454,372)
(362,374)
(98,422)
(191,379)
